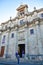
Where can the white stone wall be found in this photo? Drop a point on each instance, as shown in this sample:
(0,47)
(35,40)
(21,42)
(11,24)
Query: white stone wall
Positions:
(39,39)
(35,44)
(12,44)
(32,41)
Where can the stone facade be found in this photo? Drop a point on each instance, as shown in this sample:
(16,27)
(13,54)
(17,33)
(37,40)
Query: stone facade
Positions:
(26,28)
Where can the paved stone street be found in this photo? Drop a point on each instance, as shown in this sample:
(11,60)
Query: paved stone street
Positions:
(21,63)
(12,62)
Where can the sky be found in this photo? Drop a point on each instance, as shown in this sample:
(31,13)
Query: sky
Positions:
(8,7)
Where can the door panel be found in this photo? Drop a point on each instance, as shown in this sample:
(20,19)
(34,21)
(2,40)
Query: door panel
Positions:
(2,51)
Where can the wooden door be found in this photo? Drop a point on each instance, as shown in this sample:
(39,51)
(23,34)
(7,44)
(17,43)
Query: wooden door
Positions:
(2,51)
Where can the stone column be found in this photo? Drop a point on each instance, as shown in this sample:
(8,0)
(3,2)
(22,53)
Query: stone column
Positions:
(7,47)
(16,39)
(39,43)
(26,41)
